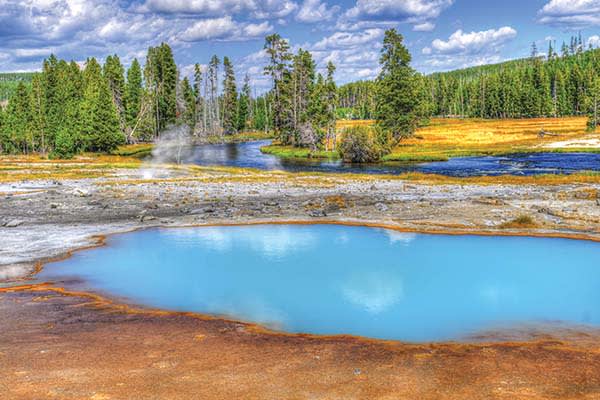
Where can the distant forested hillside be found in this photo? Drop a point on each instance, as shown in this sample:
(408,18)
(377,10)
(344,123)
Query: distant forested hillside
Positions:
(538,86)
(535,87)
(10,81)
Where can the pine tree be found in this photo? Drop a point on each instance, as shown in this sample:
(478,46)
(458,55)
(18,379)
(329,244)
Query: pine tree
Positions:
(229,98)
(331,100)
(114,73)
(243,113)
(51,85)
(397,91)
(161,80)
(167,99)
(594,105)
(277,50)
(189,115)
(133,94)
(302,86)
(534,50)
(200,103)
(17,122)
(100,122)
(37,106)
(212,115)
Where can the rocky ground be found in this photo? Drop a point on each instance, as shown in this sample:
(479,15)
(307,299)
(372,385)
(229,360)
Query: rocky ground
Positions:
(59,345)
(44,219)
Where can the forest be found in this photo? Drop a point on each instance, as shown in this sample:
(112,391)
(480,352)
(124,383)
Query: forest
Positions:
(68,108)
(543,85)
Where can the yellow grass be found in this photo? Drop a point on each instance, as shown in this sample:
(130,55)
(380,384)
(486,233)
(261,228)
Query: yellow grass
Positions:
(36,167)
(444,138)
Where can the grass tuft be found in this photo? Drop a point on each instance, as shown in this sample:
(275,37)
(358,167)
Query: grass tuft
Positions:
(522,221)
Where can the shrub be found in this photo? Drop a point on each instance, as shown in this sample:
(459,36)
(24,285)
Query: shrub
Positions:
(361,144)
(64,145)
(522,221)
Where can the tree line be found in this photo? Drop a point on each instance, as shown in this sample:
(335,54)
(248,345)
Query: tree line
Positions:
(66,109)
(550,85)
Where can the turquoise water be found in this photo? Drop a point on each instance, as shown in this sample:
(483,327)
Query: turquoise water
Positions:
(330,279)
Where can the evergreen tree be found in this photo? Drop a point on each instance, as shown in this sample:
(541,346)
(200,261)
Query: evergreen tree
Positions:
(100,122)
(302,86)
(331,111)
(244,105)
(114,73)
(37,106)
(230,121)
(397,93)
(51,84)
(199,107)
(133,93)
(189,116)
(19,138)
(277,50)
(161,80)
(212,114)
(594,105)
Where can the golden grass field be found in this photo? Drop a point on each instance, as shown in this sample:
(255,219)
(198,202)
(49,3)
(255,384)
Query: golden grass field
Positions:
(445,138)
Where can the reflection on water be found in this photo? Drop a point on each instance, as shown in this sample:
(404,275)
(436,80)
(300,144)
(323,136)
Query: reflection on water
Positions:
(374,291)
(272,242)
(331,279)
(248,155)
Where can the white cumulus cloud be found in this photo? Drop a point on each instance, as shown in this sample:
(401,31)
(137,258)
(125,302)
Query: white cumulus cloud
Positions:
(216,8)
(313,11)
(465,49)
(416,12)
(349,39)
(473,42)
(570,14)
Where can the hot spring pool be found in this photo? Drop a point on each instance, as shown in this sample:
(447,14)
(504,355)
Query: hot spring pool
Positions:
(332,279)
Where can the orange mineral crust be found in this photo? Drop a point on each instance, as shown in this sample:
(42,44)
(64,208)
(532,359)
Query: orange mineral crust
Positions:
(60,345)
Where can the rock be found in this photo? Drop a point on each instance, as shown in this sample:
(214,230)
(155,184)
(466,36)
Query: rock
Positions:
(53,205)
(81,192)
(147,218)
(381,207)
(357,371)
(13,223)
(317,213)
(271,203)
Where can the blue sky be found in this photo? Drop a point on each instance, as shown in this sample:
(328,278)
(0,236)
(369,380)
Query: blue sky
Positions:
(441,34)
